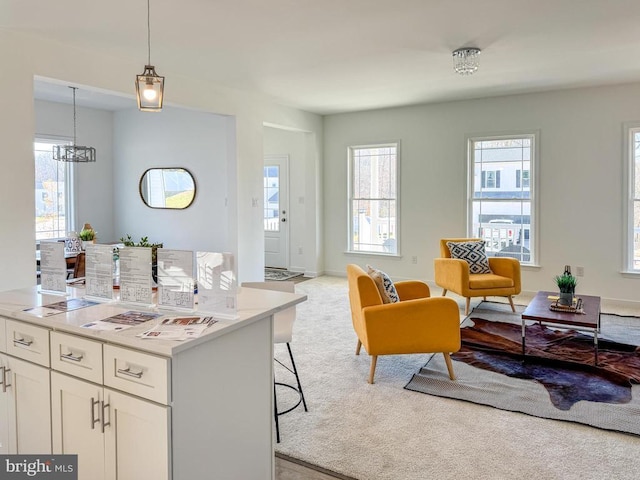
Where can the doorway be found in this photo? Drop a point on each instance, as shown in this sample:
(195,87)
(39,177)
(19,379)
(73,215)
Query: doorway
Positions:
(276,208)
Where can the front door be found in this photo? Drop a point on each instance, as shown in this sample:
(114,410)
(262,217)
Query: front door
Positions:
(276,209)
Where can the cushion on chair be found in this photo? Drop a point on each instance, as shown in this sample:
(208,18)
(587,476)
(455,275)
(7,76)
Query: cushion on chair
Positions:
(385,285)
(473,253)
(489,280)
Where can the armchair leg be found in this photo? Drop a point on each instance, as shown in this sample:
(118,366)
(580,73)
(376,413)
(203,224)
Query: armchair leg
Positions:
(467,307)
(372,371)
(444,292)
(513,307)
(358,347)
(447,359)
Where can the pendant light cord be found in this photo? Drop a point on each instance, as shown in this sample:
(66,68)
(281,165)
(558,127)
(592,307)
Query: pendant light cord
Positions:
(149,31)
(74,114)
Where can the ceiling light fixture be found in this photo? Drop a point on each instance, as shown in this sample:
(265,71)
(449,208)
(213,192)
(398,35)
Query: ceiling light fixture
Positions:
(149,85)
(466,61)
(73,152)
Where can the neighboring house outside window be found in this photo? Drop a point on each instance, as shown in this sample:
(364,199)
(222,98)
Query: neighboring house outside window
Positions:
(632,200)
(53,192)
(373,199)
(501,207)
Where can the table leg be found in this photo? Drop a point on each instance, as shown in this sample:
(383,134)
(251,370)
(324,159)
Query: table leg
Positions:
(523,341)
(595,344)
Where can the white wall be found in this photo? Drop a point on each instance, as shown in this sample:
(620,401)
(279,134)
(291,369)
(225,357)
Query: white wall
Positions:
(178,137)
(580,180)
(93,181)
(24,57)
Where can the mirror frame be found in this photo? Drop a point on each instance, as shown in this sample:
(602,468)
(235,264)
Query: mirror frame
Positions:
(195,188)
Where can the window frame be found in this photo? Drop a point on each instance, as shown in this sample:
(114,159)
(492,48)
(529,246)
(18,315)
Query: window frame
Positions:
(630,196)
(534,161)
(69,187)
(350,197)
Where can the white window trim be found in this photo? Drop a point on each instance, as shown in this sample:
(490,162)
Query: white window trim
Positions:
(628,168)
(350,148)
(533,185)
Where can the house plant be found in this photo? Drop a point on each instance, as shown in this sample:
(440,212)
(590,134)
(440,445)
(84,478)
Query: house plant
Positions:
(566,284)
(87,235)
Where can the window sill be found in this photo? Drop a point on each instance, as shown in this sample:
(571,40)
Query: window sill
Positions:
(630,273)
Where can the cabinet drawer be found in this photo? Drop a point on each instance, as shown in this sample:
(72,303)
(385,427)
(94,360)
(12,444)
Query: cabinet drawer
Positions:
(28,342)
(3,338)
(141,374)
(76,356)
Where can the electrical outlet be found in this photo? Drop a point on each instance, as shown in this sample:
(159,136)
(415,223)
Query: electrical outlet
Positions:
(579,271)
(414,260)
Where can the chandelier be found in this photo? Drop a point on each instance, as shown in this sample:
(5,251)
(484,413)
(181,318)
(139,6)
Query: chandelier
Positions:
(466,61)
(149,85)
(73,152)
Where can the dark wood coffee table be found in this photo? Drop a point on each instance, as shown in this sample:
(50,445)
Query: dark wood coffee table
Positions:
(539,311)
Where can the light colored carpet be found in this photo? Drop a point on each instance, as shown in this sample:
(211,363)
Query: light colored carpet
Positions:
(384,432)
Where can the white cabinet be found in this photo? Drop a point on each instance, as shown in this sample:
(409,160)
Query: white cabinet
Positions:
(116,436)
(25,407)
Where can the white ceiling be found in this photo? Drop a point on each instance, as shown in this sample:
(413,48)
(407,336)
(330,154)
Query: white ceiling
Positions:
(329,56)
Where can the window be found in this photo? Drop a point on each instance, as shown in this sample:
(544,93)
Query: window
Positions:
(271,183)
(632,207)
(522,176)
(373,199)
(53,192)
(501,194)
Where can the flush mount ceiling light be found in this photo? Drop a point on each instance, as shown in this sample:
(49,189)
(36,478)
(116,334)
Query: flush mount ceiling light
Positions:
(466,61)
(73,152)
(149,85)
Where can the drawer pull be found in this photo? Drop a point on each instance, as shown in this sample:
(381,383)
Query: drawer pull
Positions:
(5,385)
(94,420)
(70,356)
(127,371)
(22,341)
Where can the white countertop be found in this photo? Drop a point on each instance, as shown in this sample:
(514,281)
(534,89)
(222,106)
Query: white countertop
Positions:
(253,305)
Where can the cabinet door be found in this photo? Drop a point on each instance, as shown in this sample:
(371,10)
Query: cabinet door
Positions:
(137,438)
(4,408)
(76,418)
(29,407)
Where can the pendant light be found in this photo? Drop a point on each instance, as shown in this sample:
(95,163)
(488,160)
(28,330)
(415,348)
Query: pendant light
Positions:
(149,85)
(73,152)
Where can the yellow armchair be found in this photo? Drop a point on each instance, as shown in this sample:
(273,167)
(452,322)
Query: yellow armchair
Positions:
(415,324)
(453,274)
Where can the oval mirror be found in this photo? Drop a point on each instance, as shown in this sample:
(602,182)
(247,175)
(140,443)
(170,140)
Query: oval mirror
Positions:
(167,188)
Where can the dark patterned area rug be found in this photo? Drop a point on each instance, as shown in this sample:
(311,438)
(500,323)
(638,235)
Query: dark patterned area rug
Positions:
(558,379)
(280,274)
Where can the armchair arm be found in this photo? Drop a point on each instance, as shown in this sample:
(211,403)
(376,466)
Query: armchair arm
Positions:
(507,267)
(412,289)
(452,274)
(413,326)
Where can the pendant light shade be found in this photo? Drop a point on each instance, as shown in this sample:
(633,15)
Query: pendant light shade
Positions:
(149,85)
(149,89)
(74,153)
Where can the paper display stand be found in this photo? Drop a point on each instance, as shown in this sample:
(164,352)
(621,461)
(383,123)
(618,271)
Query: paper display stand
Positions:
(98,277)
(217,285)
(53,268)
(135,276)
(175,280)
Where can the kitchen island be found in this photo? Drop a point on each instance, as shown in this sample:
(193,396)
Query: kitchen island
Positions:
(134,408)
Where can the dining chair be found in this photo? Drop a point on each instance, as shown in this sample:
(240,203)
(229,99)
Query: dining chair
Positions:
(283,333)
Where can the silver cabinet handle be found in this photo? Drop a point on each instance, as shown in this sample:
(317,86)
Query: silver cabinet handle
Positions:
(103,423)
(70,356)
(94,420)
(5,379)
(127,371)
(22,341)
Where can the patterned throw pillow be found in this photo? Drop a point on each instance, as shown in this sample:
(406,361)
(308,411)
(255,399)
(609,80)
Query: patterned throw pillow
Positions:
(473,253)
(385,285)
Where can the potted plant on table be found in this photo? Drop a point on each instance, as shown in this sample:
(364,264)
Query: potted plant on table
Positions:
(567,286)
(87,235)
